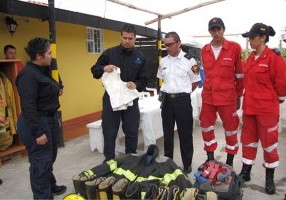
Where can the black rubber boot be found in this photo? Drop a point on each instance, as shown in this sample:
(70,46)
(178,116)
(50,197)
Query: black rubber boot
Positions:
(245,172)
(229,159)
(210,155)
(269,183)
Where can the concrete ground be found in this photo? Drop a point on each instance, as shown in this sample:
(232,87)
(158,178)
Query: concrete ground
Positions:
(76,157)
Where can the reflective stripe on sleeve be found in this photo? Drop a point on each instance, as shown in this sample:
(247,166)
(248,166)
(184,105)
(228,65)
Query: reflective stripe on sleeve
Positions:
(239,75)
(167,178)
(112,164)
(127,173)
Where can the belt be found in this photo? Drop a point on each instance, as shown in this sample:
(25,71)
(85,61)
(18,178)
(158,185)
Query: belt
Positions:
(177,95)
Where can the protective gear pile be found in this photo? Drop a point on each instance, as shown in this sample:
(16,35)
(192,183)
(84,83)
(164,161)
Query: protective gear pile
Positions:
(134,176)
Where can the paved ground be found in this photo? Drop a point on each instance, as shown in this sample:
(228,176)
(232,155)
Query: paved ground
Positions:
(76,157)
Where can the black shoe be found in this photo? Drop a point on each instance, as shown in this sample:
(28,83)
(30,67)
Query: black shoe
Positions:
(245,172)
(1,181)
(57,190)
(229,160)
(188,169)
(269,184)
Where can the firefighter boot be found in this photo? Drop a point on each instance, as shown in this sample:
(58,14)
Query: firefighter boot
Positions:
(105,188)
(229,159)
(269,183)
(79,184)
(210,155)
(119,189)
(245,172)
(91,188)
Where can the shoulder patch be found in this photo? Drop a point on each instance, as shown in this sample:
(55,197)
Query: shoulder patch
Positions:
(188,56)
(276,51)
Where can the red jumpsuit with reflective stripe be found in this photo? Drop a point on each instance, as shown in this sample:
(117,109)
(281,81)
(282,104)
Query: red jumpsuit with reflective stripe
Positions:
(223,85)
(265,86)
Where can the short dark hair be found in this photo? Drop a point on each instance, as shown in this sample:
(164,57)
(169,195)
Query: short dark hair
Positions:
(36,46)
(129,28)
(174,35)
(8,46)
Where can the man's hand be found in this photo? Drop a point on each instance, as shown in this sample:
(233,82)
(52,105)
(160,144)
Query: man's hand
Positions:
(131,85)
(109,68)
(42,140)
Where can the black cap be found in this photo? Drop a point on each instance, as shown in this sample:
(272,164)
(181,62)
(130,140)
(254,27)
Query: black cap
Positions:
(257,29)
(216,22)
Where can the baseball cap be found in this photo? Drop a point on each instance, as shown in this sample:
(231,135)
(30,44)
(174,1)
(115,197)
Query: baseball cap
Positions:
(257,29)
(216,22)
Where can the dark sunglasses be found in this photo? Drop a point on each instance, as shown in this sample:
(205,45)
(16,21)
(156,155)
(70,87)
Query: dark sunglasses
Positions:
(170,44)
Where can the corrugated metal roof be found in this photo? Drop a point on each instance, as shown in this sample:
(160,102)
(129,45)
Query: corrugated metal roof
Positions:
(41,11)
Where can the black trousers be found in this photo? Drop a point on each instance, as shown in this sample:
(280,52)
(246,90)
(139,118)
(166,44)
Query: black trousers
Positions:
(41,157)
(178,110)
(110,126)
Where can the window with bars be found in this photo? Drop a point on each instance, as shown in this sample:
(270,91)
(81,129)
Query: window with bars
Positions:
(94,40)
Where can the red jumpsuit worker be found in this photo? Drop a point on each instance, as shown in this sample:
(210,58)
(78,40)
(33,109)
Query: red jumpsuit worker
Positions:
(223,66)
(265,88)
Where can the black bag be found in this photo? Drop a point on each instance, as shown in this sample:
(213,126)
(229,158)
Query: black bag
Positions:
(220,179)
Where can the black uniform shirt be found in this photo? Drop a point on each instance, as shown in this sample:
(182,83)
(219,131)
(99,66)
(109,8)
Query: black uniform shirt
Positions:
(132,64)
(39,95)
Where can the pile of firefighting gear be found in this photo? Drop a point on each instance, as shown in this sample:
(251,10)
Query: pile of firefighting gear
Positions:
(220,178)
(135,176)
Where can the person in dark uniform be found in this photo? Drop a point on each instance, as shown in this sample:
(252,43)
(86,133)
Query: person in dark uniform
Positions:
(132,64)
(181,76)
(37,125)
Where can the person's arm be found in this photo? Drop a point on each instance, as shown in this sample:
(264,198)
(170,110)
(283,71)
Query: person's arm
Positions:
(195,74)
(142,77)
(28,87)
(97,69)
(278,76)
(239,75)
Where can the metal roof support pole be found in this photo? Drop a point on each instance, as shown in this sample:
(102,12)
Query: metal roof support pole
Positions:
(159,45)
(54,66)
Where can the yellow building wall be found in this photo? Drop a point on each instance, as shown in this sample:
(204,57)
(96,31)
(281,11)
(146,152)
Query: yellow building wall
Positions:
(82,93)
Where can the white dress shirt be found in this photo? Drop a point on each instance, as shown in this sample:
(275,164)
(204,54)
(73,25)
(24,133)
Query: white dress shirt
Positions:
(177,74)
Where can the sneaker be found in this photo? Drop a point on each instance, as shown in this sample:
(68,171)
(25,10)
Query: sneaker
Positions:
(0,181)
(188,169)
(57,190)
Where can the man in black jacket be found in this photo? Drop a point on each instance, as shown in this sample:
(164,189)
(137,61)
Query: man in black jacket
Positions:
(132,65)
